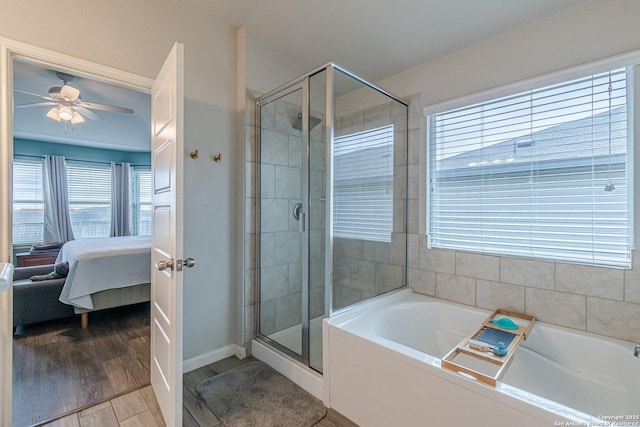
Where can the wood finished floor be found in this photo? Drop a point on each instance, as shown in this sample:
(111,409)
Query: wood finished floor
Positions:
(59,368)
(99,376)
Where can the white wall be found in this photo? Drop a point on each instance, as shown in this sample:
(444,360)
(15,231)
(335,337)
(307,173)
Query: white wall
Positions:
(136,36)
(591,31)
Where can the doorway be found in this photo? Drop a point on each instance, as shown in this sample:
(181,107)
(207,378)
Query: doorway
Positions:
(73,66)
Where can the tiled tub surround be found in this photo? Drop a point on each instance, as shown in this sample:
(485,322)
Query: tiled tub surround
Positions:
(380,353)
(600,300)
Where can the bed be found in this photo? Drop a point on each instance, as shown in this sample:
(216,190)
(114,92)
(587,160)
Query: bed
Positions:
(106,272)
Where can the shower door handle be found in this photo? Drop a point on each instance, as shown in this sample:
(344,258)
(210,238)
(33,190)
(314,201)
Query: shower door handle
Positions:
(303,219)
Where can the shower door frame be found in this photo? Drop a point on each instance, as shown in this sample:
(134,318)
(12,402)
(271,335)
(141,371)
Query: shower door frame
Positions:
(281,92)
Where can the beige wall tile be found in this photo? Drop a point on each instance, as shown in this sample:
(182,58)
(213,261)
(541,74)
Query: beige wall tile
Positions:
(387,277)
(414,147)
(456,288)
(527,272)
(478,266)
(413,250)
(493,295)
(558,308)
(438,260)
(413,179)
(376,251)
(413,216)
(632,280)
(590,281)
(422,281)
(614,318)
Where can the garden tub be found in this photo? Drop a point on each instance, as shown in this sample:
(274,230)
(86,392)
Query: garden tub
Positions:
(383,368)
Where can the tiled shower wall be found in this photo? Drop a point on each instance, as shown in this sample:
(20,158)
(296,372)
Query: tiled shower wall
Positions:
(361,268)
(601,300)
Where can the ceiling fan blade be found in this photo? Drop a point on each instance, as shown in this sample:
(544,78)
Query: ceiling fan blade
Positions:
(37,104)
(105,107)
(34,94)
(86,112)
(70,93)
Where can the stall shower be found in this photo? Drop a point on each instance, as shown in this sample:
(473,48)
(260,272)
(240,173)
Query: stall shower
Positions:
(331,197)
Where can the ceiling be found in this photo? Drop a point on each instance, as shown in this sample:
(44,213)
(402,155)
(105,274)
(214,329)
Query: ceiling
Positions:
(117,131)
(378,38)
(372,38)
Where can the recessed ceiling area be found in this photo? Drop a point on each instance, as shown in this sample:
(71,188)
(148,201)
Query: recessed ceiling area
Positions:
(107,129)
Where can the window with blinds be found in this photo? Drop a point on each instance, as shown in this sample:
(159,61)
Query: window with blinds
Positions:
(28,208)
(363,185)
(89,188)
(142,202)
(540,174)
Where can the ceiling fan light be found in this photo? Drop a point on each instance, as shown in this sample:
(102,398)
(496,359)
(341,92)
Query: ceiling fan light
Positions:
(77,118)
(65,113)
(53,114)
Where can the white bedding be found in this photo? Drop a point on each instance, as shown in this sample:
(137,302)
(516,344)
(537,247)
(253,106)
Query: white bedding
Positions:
(97,264)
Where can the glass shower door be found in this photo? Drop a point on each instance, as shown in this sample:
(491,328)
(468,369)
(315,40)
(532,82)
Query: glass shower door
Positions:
(281,222)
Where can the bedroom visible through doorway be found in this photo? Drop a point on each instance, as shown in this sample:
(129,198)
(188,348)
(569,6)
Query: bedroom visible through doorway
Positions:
(106,154)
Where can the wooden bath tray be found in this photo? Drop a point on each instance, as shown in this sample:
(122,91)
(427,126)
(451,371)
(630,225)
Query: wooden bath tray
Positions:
(485,366)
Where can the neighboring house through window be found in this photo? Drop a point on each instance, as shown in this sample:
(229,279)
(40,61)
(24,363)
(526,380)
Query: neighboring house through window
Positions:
(542,174)
(363,185)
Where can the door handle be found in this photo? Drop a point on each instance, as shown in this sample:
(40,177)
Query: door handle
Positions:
(163,265)
(189,262)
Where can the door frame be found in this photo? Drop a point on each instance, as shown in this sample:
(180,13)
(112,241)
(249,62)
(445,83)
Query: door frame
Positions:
(9,50)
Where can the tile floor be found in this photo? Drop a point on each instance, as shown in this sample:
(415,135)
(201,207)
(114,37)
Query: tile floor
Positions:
(140,408)
(137,408)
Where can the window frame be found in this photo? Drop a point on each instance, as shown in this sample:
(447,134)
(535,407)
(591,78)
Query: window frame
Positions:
(71,163)
(38,165)
(631,60)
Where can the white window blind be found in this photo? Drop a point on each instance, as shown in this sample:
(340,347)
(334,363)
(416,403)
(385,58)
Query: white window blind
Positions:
(363,185)
(142,202)
(28,210)
(526,174)
(89,190)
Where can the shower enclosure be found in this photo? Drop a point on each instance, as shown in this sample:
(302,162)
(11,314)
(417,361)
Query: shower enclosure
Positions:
(331,204)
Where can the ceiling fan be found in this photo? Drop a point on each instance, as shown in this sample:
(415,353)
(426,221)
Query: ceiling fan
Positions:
(67,105)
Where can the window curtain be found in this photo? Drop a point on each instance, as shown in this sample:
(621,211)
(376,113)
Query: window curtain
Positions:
(57,221)
(121,200)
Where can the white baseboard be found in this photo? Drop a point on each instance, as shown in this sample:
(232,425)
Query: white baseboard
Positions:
(309,380)
(213,356)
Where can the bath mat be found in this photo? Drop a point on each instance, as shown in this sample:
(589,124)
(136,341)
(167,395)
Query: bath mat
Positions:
(255,394)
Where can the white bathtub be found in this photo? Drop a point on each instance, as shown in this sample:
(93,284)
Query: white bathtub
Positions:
(382,368)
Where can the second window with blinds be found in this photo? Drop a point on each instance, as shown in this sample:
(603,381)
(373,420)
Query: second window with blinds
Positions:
(363,185)
(543,174)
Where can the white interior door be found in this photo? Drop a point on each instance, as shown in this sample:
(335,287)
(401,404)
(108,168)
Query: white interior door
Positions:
(166,251)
